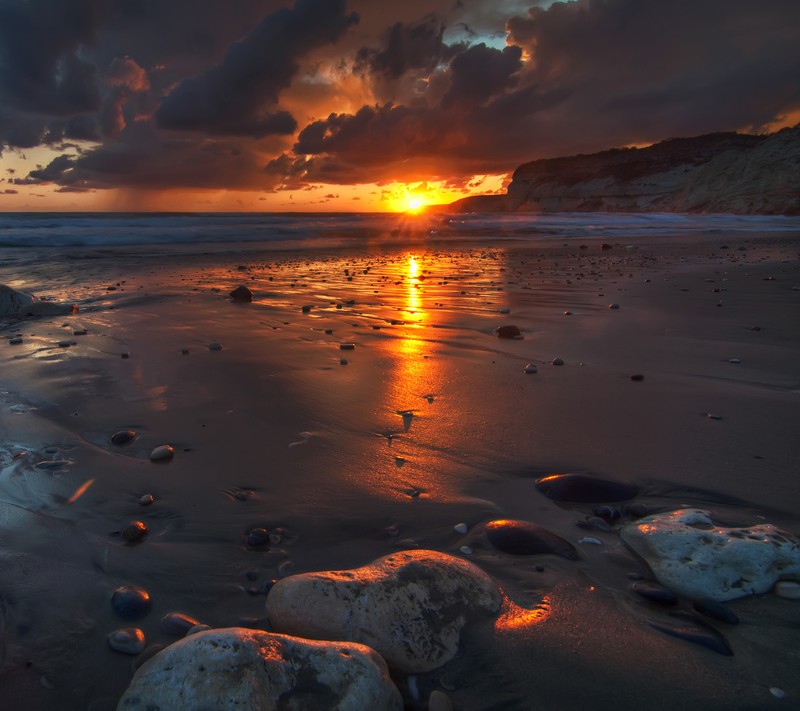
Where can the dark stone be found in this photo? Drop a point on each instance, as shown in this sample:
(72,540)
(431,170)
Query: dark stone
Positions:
(693,629)
(257,537)
(131,602)
(526,538)
(711,608)
(655,592)
(637,378)
(609,513)
(582,489)
(123,437)
(177,624)
(135,531)
(147,654)
(242,295)
(508,332)
(636,510)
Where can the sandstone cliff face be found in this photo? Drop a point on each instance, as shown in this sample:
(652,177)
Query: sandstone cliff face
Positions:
(721,172)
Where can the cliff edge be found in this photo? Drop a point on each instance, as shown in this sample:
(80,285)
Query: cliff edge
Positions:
(719,172)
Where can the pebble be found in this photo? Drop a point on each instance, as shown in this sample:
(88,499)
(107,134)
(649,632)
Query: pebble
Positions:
(147,654)
(162,453)
(64,344)
(342,361)
(306,308)
(637,378)
(655,592)
(568,313)
(128,640)
(80,332)
(135,531)
(583,489)
(609,513)
(508,332)
(242,295)
(589,539)
(123,437)
(557,361)
(776,692)
(466,550)
(613,307)
(177,624)
(15,341)
(439,701)
(461,528)
(531,368)
(734,360)
(197,628)
(505,311)
(215,346)
(787,589)
(258,537)
(146,499)
(526,538)
(347,346)
(131,602)
(693,629)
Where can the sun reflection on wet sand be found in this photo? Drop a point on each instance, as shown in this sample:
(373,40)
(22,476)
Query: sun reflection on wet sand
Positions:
(515,618)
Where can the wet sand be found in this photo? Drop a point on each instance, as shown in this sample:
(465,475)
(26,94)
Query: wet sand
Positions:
(430,423)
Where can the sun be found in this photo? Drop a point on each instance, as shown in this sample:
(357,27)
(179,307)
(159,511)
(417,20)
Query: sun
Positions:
(415,204)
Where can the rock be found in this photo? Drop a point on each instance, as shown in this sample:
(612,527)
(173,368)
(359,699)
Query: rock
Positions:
(461,528)
(177,624)
(409,606)
(162,453)
(655,592)
(526,538)
(787,589)
(508,332)
(242,295)
(347,346)
(252,669)
(257,537)
(146,499)
(693,629)
(123,437)
(531,369)
(613,307)
(135,531)
(128,640)
(18,303)
(214,346)
(637,377)
(688,554)
(439,701)
(557,361)
(580,488)
(131,602)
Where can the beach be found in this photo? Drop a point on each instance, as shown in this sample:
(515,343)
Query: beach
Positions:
(363,403)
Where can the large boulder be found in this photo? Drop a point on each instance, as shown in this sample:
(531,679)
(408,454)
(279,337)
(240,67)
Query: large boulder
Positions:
(409,606)
(251,669)
(692,556)
(18,303)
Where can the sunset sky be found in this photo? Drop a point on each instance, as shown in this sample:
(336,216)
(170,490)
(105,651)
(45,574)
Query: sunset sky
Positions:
(363,104)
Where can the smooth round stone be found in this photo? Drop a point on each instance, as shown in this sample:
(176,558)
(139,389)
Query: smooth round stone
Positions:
(162,453)
(347,346)
(460,528)
(525,538)
(131,602)
(466,550)
(15,341)
(734,360)
(306,308)
(776,692)
(146,499)
(613,307)
(128,640)
(135,531)
(637,377)
(342,361)
(508,332)
(242,295)
(258,537)
(609,513)
(147,654)
(788,589)
(568,313)
(123,437)
(214,346)
(439,701)
(197,628)
(177,624)
(531,368)
(557,361)
(583,489)
(711,608)
(655,592)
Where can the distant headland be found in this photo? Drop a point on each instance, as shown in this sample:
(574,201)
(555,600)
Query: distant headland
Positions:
(718,172)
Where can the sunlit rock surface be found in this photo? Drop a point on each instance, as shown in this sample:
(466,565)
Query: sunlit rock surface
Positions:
(692,556)
(718,172)
(250,669)
(410,606)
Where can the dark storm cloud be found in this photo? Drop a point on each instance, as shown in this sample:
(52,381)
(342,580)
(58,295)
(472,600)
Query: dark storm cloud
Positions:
(231,98)
(406,47)
(599,74)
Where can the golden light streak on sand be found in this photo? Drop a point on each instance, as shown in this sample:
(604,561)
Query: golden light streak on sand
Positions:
(514,617)
(80,491)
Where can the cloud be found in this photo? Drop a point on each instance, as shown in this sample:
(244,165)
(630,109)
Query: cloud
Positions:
(231,98)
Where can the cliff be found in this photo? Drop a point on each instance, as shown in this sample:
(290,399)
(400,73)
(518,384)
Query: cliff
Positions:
(719,172)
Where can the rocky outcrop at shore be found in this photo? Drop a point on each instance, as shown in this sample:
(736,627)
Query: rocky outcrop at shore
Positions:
(716,173)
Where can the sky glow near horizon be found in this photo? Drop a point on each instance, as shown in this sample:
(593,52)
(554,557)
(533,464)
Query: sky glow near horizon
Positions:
(354,105)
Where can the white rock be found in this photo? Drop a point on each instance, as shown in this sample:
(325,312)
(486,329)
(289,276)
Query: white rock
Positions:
(461,528)
(252,669)
(18,303)
(691,556)
(788,589)
(410,606)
